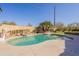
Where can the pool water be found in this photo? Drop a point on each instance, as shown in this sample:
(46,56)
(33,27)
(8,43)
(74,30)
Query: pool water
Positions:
(30,40)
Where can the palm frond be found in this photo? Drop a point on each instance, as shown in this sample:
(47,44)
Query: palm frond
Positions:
(0,9)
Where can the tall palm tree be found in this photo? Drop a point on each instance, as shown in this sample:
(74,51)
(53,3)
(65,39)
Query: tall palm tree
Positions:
(0,9)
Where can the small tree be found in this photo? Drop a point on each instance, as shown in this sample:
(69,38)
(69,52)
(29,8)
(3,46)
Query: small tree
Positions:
(44,26)
(73,27)
(59,26)
(9,23)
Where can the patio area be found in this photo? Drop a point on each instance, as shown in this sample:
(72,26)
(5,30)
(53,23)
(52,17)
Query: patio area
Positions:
(47,48)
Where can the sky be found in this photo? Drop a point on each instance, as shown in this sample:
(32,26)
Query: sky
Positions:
(29,13)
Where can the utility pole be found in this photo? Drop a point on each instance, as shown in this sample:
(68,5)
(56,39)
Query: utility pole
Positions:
(54,15)
(54,19)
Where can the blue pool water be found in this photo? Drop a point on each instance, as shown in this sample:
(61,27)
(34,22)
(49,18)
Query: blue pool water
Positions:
(30,40)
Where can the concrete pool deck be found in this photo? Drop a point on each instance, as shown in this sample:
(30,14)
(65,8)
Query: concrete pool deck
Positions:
(47,48)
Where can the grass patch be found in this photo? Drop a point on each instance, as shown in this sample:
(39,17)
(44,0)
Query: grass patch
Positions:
(58,33)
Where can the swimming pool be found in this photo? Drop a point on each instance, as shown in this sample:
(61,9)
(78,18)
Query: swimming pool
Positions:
(31,40)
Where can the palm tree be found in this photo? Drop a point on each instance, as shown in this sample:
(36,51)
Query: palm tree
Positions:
(0,10)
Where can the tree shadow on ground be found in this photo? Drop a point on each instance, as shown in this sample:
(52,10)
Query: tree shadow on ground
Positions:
(71,48)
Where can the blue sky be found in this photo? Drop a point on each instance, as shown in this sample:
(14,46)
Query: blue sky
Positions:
(24,14)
